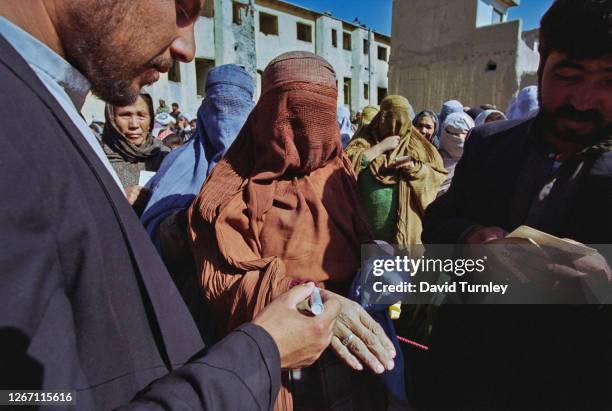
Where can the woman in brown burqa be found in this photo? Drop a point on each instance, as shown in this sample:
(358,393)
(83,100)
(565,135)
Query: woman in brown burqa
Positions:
(399,173)
(282,206)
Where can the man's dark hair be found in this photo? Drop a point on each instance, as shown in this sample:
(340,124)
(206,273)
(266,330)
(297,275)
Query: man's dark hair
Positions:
(175,105)
(495,116)
(578,28)
(172,141)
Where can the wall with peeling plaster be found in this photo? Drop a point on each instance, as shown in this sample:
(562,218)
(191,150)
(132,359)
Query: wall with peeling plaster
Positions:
(440,54)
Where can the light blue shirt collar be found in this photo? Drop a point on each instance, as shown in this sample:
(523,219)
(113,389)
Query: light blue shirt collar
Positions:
(65,83)
(42,59)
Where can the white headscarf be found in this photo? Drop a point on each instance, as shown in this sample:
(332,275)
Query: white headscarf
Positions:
(525,105)
(451,144)
(344,123)
(482,117)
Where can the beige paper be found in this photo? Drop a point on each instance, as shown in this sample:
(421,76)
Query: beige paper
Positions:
(547,240)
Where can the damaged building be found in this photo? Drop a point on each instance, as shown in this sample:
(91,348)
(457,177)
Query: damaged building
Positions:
(465,50)
(252,32)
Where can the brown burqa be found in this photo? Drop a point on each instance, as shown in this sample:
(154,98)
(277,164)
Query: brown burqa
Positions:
(283,204)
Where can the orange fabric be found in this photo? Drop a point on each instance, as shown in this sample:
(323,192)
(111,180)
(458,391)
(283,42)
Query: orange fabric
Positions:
(283,203)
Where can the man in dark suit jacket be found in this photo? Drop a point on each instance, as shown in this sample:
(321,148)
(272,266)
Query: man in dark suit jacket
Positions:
(85,303)
(553,173)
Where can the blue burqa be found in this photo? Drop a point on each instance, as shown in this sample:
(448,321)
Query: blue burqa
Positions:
(525,105)
(228,102)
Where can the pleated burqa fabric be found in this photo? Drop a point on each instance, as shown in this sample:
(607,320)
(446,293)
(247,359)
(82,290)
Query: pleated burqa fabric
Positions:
(282,205)
(228,102)
(418,188)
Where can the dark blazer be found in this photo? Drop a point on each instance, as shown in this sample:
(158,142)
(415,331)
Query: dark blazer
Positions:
(85,302)
(486,190)
(509,357)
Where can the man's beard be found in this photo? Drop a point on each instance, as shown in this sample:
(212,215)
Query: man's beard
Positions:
(600,130)
(90,46)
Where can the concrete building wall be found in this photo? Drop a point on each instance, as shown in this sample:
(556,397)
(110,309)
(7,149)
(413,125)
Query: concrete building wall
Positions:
(528,60)
(270,46)
(532,38)
(380,72)
(220,41)
(450,57)
(360,68)
(485,15)
(205,29)
(340,59)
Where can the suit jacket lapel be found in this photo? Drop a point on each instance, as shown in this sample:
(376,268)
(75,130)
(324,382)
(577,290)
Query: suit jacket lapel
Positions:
(168,315)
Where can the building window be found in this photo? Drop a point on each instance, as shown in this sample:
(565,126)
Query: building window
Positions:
(347,91)
(175,72)
(268,24)
(202,67)
(366,47)
(208,10)
(346,41)
(491,66)
(382,93)
(382,53)
(238,10)
(304,32)
(498,16)
(335,38)
(366,91)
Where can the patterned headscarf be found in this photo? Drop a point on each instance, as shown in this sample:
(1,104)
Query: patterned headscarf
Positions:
(228,102)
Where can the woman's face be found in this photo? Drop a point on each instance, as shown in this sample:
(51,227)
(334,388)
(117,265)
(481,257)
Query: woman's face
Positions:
(134,121)
(426,126)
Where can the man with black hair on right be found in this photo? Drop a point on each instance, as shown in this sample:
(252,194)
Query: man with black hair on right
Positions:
(553,173)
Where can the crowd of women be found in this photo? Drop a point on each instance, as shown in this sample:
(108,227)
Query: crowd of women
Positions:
(264,196)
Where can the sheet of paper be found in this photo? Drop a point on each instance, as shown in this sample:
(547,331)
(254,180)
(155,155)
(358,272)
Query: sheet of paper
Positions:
(145,176)
(547,240)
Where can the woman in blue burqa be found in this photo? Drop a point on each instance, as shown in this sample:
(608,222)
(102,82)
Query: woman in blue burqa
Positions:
(228,102)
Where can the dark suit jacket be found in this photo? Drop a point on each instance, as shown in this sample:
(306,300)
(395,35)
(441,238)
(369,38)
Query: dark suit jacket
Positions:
(85,302)
(507,357)
(486,190)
